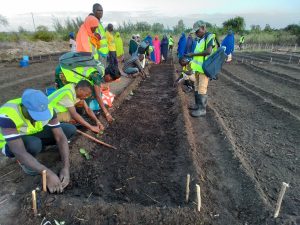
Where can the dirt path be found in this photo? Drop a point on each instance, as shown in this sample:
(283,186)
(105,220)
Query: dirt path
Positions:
(148,170)
(286,74)
(288,91)
(239,154)
(265,137)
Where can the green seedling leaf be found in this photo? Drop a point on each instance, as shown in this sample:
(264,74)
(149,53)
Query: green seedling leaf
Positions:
(59,223)
(87,156)
(82,151)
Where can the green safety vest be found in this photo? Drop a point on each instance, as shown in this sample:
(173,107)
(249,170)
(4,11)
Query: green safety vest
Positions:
(12,109)
(56,96)
(242,39)
(196,63)
(215,46)
(171,41)
(79,73)
(103,51)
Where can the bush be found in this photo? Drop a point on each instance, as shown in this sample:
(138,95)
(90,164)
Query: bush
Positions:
(42,33)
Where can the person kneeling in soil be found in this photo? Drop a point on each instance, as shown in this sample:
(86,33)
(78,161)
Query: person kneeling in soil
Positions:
(64,100)
(133,66)
(95,76)
(187,76)
(27,124)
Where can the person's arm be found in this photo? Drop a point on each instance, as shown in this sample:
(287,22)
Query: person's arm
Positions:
(101,104)
(78,118)
(92,115)
(206,52)
(63,147)
(17,147)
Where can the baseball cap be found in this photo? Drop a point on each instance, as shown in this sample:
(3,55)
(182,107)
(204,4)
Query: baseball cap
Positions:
(197,26)
(36,103)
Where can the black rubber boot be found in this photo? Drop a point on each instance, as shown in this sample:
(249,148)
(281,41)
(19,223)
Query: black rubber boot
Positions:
(202,107)
(196,106)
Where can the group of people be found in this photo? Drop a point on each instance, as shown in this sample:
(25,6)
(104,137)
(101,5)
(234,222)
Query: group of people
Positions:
(156,51)
(35,120)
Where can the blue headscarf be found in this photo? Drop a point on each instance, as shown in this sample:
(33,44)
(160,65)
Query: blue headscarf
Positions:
(181,45)
(149,39)
(189,45)
(71,35)
(228,42)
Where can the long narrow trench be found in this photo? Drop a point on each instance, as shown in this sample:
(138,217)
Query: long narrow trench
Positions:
(152,161)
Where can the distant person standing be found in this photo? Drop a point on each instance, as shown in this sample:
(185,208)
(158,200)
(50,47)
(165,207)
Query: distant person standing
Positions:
(228,42)
(171,44)
(103,50)
(112,54)
(119,47)
(72,42)
(241,42)
(164,48)
(133,45)
(156,45)
(203,49)
(86,41)
(181,45)
(151,48)
(189,47)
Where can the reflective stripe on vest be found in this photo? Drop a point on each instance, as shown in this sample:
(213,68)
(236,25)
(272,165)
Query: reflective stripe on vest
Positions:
(196,63)
(55,97)
(77,74)
(12,110)
(103,42)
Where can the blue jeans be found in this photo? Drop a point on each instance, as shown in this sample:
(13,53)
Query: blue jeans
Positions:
(131,70)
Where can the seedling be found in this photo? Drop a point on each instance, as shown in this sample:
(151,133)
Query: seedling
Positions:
(59,223)
(84,153)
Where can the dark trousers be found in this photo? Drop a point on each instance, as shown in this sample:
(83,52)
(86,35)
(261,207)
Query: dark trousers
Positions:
(112,58)
(35,143)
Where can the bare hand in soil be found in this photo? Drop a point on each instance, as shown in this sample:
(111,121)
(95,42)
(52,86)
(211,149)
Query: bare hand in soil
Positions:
(95,129)
(109,117)
(64,176)
(101,127)
(53,182)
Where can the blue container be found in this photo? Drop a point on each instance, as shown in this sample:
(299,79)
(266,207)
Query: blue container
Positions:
(26,57)
(94,105)
(50,90)
(24,63)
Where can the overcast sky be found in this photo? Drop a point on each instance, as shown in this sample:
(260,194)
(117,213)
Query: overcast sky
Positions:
(277,13)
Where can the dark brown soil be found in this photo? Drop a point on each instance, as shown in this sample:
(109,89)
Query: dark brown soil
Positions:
(240,153)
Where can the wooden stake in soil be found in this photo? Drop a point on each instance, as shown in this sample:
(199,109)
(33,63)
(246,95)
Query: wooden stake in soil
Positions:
(187,193)
(280,197)
(34,202)
(96,140)
(44,175)
(198,197)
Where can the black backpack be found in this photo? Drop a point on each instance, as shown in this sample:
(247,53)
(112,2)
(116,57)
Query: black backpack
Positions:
(214,63)
(72,60)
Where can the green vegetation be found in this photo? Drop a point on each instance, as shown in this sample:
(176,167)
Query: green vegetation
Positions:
(256,35)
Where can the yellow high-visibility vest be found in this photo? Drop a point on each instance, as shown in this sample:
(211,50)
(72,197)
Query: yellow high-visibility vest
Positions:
(12,109)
